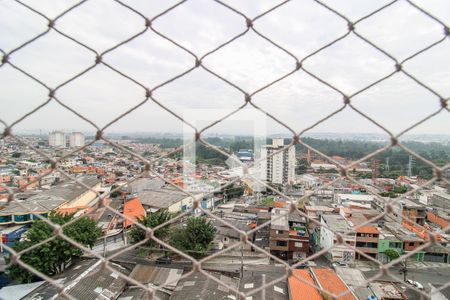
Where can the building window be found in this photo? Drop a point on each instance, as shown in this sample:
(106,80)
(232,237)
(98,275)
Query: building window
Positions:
(281,243)
(298,245)
(411,244)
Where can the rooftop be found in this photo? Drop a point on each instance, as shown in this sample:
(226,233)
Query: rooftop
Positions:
(278,291)
(161,197)
(337,222)
(51,199)
(299,290)
(134,210)
(279,219)
(328,280)
(356,281)
(88,282)
(401,232)
(387,290)
(198,286)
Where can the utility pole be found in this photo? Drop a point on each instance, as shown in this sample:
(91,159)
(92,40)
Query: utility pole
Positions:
(242,261)
(263,283)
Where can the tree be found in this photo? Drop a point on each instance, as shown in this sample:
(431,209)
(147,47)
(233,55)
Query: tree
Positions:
(195,237)
(393,254)
(152,220)
(54,256)
(16,155)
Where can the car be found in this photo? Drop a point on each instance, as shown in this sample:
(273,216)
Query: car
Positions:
(415,284)
(302,265)
(165,260)
(339,264)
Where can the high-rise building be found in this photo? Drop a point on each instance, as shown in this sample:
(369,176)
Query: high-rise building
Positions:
(76,139)
(279,168)
(56,139)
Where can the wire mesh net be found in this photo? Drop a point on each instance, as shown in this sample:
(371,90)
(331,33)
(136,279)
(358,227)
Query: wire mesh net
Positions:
(298,64)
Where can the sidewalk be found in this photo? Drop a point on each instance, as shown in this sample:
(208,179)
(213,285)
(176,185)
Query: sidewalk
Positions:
(369,265)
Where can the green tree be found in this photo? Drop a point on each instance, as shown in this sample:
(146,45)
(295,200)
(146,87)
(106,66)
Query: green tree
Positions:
(16,155)
(195,237)
(152,220)
(392,254)
(54,256)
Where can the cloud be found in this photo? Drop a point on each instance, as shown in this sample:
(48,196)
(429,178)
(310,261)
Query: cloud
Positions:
(250,62)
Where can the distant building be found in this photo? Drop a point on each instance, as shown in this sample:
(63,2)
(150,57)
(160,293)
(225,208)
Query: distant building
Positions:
(280,167)
(67,197)
(355,200)
(408,209)
(56,139)
(245,155)
(76,139)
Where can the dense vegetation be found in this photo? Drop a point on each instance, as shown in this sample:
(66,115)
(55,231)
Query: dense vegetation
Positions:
(152,220)
(350,149)
(196,237)
(54,256)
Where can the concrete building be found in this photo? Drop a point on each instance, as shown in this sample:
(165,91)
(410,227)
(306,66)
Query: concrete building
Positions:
(410,210)
(279,233)
(279,168)
(355,200)
(410,241)
(56,139)
(367,241)
(387,240)
(340,225)
(76,139)
(67,197)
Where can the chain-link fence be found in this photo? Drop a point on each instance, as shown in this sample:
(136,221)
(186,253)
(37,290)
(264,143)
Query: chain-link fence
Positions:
(249,24)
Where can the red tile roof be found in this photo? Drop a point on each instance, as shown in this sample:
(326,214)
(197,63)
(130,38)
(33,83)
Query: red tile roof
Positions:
(367,229)
(133,209)
(331,282)
(300,290)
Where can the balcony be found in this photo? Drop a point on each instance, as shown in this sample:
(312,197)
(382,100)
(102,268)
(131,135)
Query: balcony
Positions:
(367,249)
(367,239)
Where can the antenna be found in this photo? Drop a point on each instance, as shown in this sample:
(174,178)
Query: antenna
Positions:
(387,163)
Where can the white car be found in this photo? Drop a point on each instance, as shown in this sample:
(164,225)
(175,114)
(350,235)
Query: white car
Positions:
(415,283)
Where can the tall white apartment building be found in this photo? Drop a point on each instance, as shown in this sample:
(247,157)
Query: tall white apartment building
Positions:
(279,168)
(56,139)
(76,139)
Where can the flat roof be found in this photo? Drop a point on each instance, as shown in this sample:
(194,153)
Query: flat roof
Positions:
(299,290)
(356,281)
(401,232)
(337,223)
(355,197)
(384,289)
(277,222)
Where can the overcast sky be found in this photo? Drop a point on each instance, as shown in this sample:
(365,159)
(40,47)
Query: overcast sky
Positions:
(250,62)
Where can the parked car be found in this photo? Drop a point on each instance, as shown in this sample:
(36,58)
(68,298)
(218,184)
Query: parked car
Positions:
(339,264)
(415,284)
(165,260)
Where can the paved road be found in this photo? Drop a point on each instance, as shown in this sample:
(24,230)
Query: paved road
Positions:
(435,276)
